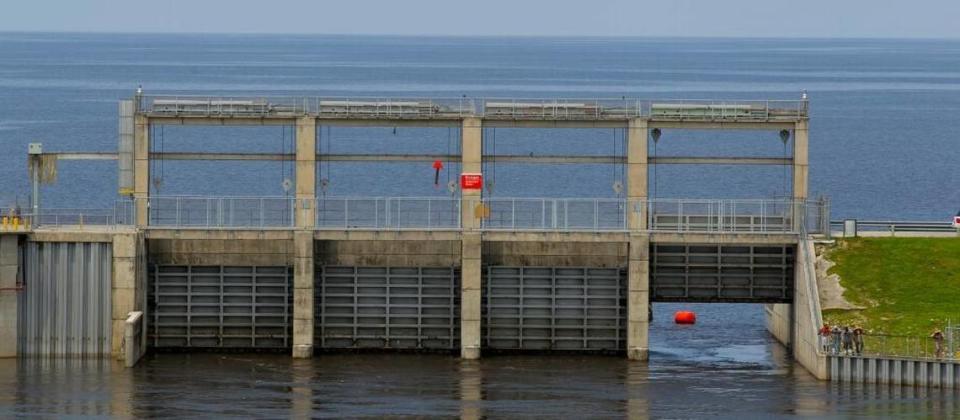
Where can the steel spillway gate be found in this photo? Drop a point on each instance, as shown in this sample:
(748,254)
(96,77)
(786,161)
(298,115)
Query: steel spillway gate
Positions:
(64,308)
(220,306)
(722,273)
(412,308)
(554,308)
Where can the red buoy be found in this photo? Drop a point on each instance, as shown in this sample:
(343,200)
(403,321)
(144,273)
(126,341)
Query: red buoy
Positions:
(685,318)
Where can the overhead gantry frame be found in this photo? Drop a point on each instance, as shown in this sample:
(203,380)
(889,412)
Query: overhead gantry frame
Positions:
(637,161)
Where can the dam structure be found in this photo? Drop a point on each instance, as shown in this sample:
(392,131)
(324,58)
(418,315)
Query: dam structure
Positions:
(464,274)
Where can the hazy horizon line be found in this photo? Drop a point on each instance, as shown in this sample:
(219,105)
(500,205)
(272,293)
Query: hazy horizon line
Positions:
(440,35)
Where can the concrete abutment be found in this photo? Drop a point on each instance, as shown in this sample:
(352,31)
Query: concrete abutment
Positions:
(9,287)
(638,298)
(128,286)
(796,325)
(470,296)
(303,294)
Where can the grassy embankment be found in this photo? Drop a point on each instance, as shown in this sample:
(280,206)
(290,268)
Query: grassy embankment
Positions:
(907,286)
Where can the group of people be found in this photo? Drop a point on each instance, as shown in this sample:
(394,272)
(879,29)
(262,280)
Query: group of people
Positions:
(841,340)
(848,341)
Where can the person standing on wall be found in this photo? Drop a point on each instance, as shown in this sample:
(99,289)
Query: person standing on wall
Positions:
(937,337)
(824,335)
(857,340)
(847,341)
(835,339)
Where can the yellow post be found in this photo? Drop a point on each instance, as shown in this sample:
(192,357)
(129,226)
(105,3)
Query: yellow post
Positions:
(5,221)
(16,223)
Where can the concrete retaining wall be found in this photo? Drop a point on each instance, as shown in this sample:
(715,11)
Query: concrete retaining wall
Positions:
(877,370)
(263,252)
(400,253)
(10,277)
(796,325)
(556,254)
(780,322)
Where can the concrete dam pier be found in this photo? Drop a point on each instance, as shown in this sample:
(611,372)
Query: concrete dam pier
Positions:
(465,274)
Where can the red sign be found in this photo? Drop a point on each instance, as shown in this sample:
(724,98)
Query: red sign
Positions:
(438,165)
(956,222)
(471,181)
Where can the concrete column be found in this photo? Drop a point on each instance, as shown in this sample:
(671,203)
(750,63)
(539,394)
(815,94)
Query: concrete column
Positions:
(801,168)
(470,293)
(305,215)
(141,168)
(638,297)
(801,160)
(471,136)
(9,269)
(637,172)
(127,286)
(306,166)
(303,273)
(638,265)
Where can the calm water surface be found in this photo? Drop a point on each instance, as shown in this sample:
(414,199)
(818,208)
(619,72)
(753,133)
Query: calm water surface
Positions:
(726,365)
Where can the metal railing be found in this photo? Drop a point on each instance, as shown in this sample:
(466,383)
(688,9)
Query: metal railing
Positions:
(81,217)
(899,346)
(337,107)
(562,109)
(662,215)
(492,108)
(894,226)
(710,110)
(518,214)
(120,215)
(733,216)
(816,217)
(388,213)
(891,346)
(494,214)
(221,212)
(568,214)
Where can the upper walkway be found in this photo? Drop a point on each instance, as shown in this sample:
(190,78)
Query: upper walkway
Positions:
(445,214)
(513,109)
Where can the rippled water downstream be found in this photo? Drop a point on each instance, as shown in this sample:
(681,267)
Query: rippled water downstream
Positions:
(723,366)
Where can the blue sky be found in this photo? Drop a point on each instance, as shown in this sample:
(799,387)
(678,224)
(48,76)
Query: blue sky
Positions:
(736,18)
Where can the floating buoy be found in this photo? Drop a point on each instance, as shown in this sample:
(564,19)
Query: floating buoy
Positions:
(685,318)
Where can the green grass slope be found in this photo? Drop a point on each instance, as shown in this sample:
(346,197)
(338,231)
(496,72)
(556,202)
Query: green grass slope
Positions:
(907,286)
